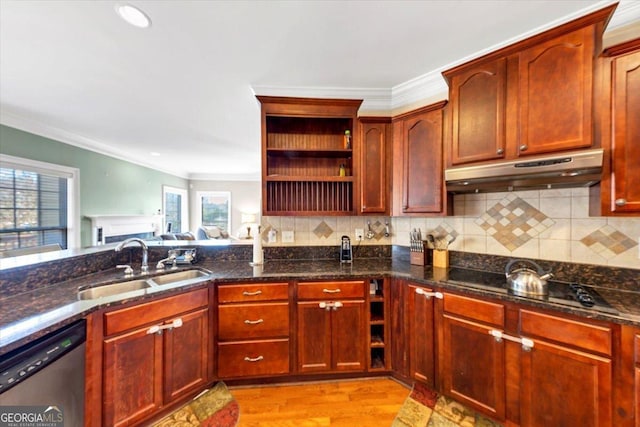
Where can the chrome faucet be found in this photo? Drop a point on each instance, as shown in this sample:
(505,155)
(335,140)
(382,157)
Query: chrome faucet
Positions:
(144,269)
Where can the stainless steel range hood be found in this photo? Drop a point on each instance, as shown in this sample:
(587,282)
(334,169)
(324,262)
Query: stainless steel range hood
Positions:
(572,169)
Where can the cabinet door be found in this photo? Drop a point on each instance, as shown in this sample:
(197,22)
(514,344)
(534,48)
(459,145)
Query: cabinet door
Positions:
(421,336)
(637,395)
(314,337)
(373,188)
(555,94)
(565,387)
(132,377)
(422,189)
(478,100)
(472,365)
(399,336)
(348,330)
(186,355)
(626,133)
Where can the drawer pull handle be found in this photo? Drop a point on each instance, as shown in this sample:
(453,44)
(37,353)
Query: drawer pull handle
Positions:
(621,202)
(157,329)
(428,295)
(331,291)
(527,344)
(253,359)
(253,322)
(330,305)
(251,294)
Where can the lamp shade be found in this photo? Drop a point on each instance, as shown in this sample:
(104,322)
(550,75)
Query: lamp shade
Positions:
(248,218)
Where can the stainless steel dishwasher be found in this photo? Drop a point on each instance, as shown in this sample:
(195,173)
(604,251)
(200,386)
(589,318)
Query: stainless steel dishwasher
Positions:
(44,376)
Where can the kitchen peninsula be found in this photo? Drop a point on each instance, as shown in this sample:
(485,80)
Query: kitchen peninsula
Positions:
(379,295)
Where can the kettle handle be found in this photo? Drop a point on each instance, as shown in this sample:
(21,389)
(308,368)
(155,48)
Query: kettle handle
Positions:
(539,269)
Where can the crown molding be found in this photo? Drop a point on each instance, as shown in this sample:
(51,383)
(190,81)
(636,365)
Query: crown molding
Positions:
(375,99)
(226,177)
(427,86)
(11,119)
(626,13)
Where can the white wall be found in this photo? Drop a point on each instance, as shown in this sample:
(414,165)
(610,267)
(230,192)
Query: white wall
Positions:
(245,197)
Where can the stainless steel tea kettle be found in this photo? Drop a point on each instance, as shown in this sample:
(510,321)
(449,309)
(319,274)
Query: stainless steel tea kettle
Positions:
(525,281)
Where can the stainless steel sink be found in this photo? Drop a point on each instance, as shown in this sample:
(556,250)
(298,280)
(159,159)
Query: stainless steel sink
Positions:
(178,276)
(113,289)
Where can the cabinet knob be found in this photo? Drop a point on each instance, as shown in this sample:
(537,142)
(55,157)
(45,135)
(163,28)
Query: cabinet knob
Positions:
(621,202)
(500,151)
(524,147)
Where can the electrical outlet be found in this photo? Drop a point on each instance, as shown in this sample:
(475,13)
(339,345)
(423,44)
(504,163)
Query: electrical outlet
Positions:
(287,237)
(359,233)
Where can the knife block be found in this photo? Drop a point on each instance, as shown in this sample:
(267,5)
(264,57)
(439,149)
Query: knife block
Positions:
(423,257)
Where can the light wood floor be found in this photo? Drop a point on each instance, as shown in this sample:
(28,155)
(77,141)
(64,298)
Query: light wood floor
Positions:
(348,403)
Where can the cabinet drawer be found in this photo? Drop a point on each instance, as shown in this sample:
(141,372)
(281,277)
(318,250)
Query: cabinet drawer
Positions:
(588,336)
(245,321)
(483,311)
(331,290)
(249,292)
(154,311)
(253,358)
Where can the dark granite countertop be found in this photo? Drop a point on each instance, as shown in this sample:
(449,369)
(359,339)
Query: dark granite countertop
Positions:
(29,315)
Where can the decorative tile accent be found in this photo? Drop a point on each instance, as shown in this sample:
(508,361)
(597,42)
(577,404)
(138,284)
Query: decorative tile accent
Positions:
(445,230)
(513,222)
(323,230)
(378,229)
(608,242)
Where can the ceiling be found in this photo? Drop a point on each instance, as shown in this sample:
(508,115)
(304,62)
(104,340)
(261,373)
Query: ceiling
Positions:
(185,87)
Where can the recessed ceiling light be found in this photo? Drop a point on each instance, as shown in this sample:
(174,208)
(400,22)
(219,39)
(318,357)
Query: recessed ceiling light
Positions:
(155,153)
(133,15)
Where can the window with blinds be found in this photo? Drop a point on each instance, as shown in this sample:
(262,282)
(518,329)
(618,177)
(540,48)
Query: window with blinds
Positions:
(33,209)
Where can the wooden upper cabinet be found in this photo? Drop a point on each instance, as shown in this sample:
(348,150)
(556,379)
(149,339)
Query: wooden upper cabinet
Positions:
(374,167)
(530,98)
(418,161)
(308,166)
(626,138)
(618,193)
(556,90)
(478,108)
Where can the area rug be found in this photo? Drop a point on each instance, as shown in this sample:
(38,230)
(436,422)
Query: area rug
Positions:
(215,407)
(426,408)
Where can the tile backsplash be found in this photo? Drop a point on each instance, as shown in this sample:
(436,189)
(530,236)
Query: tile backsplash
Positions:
(541,224)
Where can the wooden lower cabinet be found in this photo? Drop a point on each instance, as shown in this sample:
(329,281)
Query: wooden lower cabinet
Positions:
(148,363)
(471,362)
(132,377)
(253,330)
(331,333)
(421,333)
(400,354)
(562,386)
(637,397)
(523,366)
(186,355)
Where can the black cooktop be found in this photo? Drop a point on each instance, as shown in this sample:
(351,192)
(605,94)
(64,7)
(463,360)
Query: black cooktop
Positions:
(565,293)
